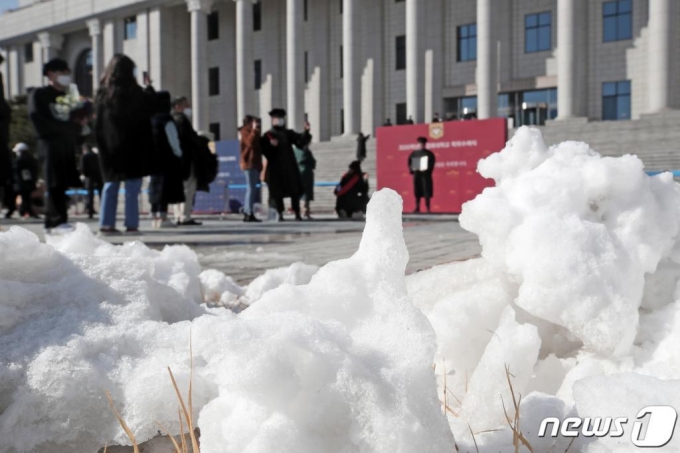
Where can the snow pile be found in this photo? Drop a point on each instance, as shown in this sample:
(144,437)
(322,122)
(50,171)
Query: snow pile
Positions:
(578,279)
(220,289)
(341,364)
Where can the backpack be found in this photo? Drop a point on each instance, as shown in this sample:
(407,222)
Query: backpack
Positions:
(207,165)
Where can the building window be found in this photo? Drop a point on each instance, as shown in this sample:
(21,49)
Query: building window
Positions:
(537,106)
(401,113)
(214,81)
(616,100)
(258,74)
(467,42)
(306,66)
(257,16)
(213,26)
(400,49)
(342,121)
(341,5)
(214,129)
(399,1)
(28,53)
(305,9)
(130,30)
(537,32)
(342,63)
(617,19)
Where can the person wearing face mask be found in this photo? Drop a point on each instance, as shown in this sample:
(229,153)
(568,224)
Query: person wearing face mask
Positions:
(58,137)
(283,174)
(190,143)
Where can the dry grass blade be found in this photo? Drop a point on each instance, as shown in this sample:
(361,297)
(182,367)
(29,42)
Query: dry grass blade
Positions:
(192,433)
(106,448)
(172,439)
(570,444)
(517,435)
(187,416)
(122,423)
(183,438)
(473,438)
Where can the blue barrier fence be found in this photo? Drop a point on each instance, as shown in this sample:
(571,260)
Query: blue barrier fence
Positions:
(231,186)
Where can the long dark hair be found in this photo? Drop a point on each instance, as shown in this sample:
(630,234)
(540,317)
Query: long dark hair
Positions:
(119,77)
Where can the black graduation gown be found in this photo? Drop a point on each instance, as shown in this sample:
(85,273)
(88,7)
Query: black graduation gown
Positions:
(283,175)
(58,138)
(422,180)
(351,193)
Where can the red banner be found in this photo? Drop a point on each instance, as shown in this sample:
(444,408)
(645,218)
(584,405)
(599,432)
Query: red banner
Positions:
(457,145)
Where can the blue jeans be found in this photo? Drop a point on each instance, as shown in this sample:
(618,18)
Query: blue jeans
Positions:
(109,204)
(252,191)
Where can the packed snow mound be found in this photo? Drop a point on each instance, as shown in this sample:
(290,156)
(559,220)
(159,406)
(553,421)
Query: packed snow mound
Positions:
(577,232)
(578,283)
(343,364)
(221,290)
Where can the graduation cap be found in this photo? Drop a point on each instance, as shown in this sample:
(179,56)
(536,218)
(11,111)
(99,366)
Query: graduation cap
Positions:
(422,140)
(55,65)
(277,113)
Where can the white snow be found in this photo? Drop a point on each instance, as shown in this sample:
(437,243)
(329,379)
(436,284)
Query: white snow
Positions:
(576,293)
(343,363)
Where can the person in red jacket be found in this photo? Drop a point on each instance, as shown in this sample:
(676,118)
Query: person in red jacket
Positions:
(250,163)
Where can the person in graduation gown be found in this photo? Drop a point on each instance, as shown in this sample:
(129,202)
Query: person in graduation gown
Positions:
(282,174)
(421,165)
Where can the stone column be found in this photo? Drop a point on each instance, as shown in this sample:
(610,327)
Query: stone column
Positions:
(199,10)
(15,77)
(294,64)
(566,59)
(51,45)
(94,26)
(351,89)
(658,81)
(487,71)
(414,64)
(245,72)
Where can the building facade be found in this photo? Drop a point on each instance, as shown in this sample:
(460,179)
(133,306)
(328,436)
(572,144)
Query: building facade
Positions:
(348,65)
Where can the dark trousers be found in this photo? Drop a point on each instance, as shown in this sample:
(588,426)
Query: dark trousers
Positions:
(26,203)
(10,200)
(159,208)
(56,207)
(278,202)
(93,186)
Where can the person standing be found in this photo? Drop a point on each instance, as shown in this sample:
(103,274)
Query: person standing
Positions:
(190,143)
(282,174)
(307,165)
(58,136)
(166,186)
(361,146)
(90,168)
(387,123)
(123,134)
(421,165)
(250,163)
(26,178)
(5,157)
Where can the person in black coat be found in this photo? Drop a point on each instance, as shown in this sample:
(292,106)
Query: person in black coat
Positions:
(421,165)
(25,178)
(58,137)
(123,135)
(190,143)
(282,174)
(90,167)
(361,146)
(166,186)
(5,157)
(352,192)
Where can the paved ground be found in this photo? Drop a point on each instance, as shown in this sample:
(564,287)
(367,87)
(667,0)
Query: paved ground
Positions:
(245,251)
